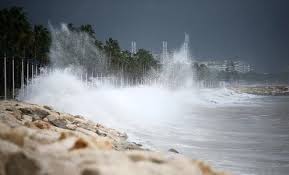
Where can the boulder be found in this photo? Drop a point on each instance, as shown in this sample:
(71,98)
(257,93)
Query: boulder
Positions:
(51,118)
(60,123)
(20,164)
(52,143)
(27,118)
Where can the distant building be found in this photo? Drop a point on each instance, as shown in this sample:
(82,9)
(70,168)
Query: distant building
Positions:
(214,64)
(227,65)
(242,67)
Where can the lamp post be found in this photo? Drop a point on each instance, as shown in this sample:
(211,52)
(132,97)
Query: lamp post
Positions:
(13,80)
(5,79)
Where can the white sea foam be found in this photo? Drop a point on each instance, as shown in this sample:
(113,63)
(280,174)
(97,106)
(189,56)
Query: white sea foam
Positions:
(161,112)
(171,94)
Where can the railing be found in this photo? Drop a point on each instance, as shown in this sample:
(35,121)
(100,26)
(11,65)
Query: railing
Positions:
(15,74)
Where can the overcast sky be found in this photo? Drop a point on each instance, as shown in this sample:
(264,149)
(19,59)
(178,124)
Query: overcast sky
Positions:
(255,30)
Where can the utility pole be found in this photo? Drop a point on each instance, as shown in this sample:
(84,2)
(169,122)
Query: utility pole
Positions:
(36,70)
(27,72)
(32,71)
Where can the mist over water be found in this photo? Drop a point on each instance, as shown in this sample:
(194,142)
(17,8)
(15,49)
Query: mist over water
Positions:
(69,48)
(69,87)
(167,110)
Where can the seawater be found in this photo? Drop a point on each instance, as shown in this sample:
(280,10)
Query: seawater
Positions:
(242,133)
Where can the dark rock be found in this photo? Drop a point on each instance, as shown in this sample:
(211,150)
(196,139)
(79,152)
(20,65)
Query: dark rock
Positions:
(79,116)
(132,146)
(36,113)
(40,112)
(173,150)
(26,111)
(15,112)
(48,107)
(9,109)
(61,123)
(157,161)
(136,158)
(20,164)
(100,133)
(137,144)
(90,172)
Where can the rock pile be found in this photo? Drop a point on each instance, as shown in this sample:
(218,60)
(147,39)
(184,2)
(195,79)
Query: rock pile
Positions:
(37,140)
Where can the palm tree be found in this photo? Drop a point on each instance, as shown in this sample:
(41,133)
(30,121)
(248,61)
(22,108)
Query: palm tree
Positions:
(87,29)
(41,43)
(14,29)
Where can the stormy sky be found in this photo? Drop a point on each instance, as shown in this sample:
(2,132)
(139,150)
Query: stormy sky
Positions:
(257,31)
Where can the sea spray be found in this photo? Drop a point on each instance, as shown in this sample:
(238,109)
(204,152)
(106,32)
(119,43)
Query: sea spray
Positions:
(169,94)
(71,48)
(176,70)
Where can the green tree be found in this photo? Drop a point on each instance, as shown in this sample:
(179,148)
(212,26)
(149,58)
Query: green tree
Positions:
(98,44)
(112,47)
(18,39)
(203,72)
(87,28)
(15,31)
(71,27)
(145,59)
(41,44)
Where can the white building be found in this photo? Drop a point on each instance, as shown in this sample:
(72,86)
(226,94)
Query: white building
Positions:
(214,64)
(227,65)
(242,67)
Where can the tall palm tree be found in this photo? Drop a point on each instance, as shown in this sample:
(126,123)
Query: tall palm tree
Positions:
(14,28)
(41,43)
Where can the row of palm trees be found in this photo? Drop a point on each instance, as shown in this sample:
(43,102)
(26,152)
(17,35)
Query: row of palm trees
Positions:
(20,39)
(132,64)
(23,41)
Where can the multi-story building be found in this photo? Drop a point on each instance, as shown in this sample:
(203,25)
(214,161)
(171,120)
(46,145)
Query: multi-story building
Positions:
(214,64)
(242,67)
(227,65)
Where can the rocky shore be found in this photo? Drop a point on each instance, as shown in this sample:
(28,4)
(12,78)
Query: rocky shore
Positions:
(37,140)
(264,90)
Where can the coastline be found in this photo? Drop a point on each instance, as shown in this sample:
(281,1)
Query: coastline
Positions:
(264,90)
(36,139)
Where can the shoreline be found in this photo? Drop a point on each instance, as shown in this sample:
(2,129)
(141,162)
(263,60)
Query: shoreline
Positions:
(36,139)
(269,90)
